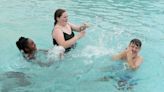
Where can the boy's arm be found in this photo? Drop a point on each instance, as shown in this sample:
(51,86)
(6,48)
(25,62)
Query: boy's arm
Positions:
(138,62)
(119,56)
(135,64)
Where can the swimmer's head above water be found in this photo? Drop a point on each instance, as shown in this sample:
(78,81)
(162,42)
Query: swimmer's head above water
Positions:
(135,45)
(26,45)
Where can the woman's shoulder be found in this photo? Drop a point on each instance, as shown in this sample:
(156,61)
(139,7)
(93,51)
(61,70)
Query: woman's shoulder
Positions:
(69,24)
(57,29)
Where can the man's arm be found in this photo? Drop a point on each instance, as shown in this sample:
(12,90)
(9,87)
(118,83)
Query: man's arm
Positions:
(135,63)
(119,56)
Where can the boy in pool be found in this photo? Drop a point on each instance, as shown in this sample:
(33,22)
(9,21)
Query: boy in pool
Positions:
(123,77)
(130,54)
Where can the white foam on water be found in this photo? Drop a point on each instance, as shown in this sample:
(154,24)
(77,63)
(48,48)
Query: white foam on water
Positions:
(56,53)
(90,51)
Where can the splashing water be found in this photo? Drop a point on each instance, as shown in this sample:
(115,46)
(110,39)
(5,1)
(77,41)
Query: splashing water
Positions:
(55,53)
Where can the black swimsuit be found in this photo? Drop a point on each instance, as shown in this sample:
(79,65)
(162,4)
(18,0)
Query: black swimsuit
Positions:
(66,37)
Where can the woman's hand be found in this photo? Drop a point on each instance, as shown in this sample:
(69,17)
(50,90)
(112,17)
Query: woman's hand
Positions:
(84,26)
(80,34)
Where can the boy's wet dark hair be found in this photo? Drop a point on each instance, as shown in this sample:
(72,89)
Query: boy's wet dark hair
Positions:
(137,42)
(22,44)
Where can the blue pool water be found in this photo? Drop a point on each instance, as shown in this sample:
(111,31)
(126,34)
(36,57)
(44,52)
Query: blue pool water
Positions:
(87,68)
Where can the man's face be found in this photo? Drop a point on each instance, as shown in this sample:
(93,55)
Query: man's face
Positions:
(134,48)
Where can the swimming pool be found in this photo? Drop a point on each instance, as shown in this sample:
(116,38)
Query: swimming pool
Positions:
(89,67)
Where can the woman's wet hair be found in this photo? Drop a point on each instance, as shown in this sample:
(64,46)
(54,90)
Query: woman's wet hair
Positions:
(58,13)
(22,43)
(137,42)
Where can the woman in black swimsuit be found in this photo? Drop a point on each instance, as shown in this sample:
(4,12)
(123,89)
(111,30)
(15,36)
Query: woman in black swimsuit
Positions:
(63,31)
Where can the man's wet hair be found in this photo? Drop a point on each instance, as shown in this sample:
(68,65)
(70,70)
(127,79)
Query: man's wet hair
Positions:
(137,42)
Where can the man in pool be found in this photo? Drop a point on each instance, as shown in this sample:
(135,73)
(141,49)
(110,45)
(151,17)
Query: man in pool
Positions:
(130,54)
